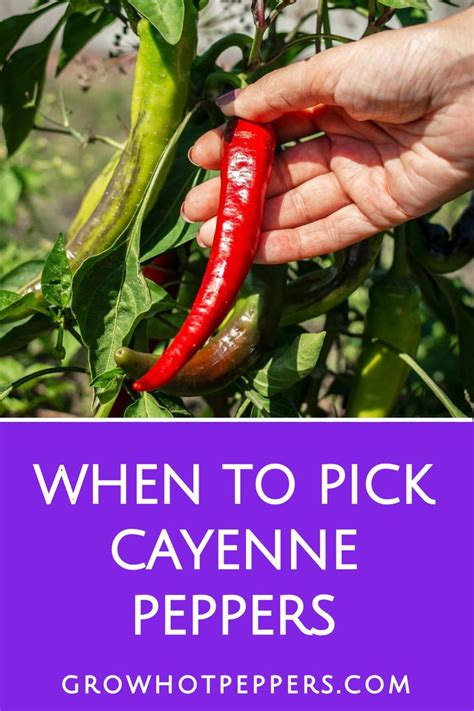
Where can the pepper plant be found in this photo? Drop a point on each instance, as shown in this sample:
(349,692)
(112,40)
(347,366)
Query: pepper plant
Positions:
(91,310)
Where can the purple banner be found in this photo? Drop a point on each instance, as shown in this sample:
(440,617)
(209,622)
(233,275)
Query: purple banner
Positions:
(270,565)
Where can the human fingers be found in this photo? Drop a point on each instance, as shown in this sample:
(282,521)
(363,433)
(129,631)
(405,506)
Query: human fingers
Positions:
(329,234)
(207,151)
(310,201)
(291,168)
(298,86)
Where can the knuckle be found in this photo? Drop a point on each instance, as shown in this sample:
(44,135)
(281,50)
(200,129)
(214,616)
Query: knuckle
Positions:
(299,205)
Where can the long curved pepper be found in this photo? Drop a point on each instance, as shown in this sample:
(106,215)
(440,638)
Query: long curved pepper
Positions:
(245,171)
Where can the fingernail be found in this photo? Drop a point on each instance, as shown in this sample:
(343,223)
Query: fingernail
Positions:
(183,215)
(190,159)
(228,98)
(200,241)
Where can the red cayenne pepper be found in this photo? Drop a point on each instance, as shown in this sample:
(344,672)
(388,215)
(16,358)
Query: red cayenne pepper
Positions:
(245,171)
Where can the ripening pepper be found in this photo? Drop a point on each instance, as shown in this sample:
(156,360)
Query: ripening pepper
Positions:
(393,317)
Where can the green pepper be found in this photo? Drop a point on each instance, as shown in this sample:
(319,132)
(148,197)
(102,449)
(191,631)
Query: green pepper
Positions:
(393,317)
(160,94)
(94,194)
(436,249)
(321,290)
(158,102)
(245,336)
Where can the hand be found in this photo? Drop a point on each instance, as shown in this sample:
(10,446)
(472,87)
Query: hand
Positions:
(399,139)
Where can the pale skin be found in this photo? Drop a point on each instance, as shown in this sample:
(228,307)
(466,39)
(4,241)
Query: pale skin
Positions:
(398,139)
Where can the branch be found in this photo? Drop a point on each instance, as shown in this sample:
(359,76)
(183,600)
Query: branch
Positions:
(85,139)
(377,23)
(303,40)
(40,374)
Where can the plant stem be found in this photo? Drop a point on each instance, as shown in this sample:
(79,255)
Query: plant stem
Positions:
(46,129)
(75,334)
(83,138)
(291,35)
(319,25)
(254,56)
(372,11)
(254,401)
(262,24)
(94,138)
(375,24)
(123,18)
(303,40)
(385,17)
(453,410)
(327,26)
(245,402)
(278,10)
(331,326)
(40,374)
(400,266)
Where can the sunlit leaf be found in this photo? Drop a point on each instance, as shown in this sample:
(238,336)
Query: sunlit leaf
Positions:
(56,278)
(21,83)
(166,15)
(79,29)
(12,28)
(289,365)
(147,408)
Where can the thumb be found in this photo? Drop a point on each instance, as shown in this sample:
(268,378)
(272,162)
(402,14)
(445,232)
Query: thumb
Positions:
(298,86)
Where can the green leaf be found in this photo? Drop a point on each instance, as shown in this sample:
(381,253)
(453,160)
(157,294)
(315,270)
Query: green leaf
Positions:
(164,228)
(276,406)
(174,230)
(7,298)
(20,275)
(107,380)
(10,191)
(147,408)
(445,300)
(13,27)
(174,405)
(14,307)
(107,387)
(411,16)
(15,336)
(289,365)
(401,4)
(56,279)
(160,299)
(84,6)
(109,297)
(166,15)
(79,29)
(22,82)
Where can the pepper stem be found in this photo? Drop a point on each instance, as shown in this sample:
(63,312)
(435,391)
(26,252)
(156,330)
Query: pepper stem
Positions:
(400,266)
(261,25)
(319,26)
